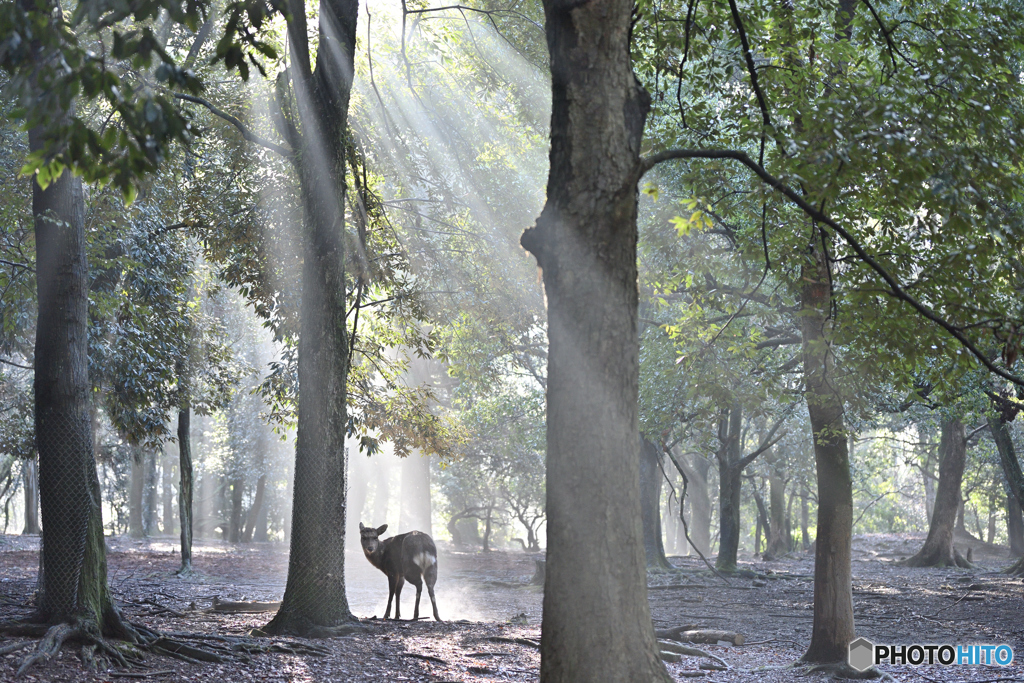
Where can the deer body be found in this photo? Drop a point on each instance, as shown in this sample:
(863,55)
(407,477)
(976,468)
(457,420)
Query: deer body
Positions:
(408,557)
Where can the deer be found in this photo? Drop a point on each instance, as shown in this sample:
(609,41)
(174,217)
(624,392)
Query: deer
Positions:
(408,557)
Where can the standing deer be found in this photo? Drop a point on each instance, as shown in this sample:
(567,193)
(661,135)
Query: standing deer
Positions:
(408,557)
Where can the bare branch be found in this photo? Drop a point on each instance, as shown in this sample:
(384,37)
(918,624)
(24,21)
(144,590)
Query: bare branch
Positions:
(242,128)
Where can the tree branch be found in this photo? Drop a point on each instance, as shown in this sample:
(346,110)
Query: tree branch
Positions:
(647,163)
(242,128)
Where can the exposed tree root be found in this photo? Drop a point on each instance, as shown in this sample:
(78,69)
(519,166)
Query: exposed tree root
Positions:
(294,625)
(937,557)
(135,639)
(1015,569)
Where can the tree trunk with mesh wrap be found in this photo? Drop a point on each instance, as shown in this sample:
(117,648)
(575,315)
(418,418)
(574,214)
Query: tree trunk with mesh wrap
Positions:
(73,568)
(597,622)
(314,598)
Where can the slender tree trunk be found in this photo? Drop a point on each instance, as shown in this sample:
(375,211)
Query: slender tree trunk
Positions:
(136,493)
(938,550)
(30,481)
(960,526)
(166,478)
(833,628)
(1014,526)
(597,624)
(729,488)
(235,521)
(73,576)
(762,516)
(805,519)
(700,505)
(778,544)
(255,510)
(650,508)
(185,487)
(314,599)
(486,544)
(261,535)
(150,499)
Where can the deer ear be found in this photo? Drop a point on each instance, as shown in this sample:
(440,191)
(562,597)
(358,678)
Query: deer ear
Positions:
(361,527)
(382,529)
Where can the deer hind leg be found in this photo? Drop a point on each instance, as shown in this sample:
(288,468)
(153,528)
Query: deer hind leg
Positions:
(398,596)
(430,576)
(418,582)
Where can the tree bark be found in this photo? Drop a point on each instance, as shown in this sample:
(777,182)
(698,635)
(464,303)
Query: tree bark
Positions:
(1014,526)
(136,493)
(938,549)
(650,508)
(149,506)
(805,516)
(700,504)
(778,544)
(597,623)
(729,487)
(314,598)
(166,478)
(30,481)
(1014,482)
(185,487)
(73,578)
(833,628)
(235,520)
(255,510)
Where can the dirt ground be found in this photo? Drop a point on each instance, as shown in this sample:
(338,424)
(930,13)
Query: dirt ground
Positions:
(488,604)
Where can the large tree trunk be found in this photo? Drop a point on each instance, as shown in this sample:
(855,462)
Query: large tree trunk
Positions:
(833,628)
(414,512)
(314,597)
(185,487)
(30,481)
(729,488)
(650,508)
(938,550)
(73,576)
(597,623)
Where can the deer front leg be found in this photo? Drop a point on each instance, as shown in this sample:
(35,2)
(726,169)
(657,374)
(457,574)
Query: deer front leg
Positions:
(398,596)
(391,595)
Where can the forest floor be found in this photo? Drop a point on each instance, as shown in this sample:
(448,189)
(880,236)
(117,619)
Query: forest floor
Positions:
(488,603)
